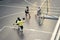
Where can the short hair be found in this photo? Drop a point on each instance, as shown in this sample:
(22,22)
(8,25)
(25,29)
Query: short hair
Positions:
(23,18)
(19,19)
(27,7)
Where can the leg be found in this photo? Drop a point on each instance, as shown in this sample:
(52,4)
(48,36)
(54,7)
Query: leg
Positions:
(18,28)
(21,28)
(29,16)
(26,15)
(39,20)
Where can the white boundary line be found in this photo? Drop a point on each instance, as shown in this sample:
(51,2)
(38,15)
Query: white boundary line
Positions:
(34,30)
(12,6)
(31,3)
(11,15)
(55,30)
(2,28)
(57,38)
(42,3)
(17,7)
(19,13)
(39,31)
(16,13)
(24,7)
(28,2)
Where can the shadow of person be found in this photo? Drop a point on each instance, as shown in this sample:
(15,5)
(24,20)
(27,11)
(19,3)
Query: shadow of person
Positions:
(38,20)
(21,35)
(27,21)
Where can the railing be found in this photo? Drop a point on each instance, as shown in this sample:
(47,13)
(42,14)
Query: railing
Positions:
(55,32)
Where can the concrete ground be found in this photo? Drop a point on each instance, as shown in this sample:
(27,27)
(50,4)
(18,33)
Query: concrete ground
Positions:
(11,9)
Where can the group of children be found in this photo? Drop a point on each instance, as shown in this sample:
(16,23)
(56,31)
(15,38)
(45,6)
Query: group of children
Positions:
(20,22)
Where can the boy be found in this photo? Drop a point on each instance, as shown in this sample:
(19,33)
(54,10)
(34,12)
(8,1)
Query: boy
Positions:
(19,22)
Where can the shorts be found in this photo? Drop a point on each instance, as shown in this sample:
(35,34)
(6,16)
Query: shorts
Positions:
(21,27)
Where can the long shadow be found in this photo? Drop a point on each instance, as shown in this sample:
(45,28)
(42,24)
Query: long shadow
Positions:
(21,35)
(28,19)
(38,20)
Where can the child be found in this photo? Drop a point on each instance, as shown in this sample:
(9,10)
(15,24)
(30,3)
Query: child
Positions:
(19,22)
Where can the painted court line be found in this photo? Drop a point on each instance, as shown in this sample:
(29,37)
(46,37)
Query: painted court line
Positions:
(17,13)
(28,2)
(34,30)
(16,7)
(10,15)
(12,6)
(24,6)
(55,30)
(2,29)
(31,3)
(43,3)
